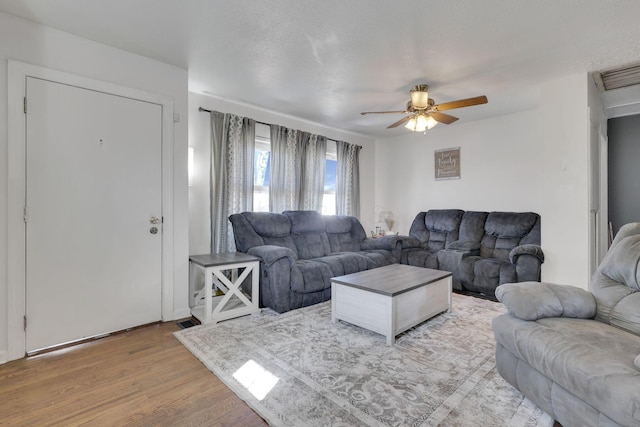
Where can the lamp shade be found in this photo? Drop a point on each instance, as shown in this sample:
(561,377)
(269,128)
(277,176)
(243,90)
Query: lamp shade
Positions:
(420,97)
(420,123)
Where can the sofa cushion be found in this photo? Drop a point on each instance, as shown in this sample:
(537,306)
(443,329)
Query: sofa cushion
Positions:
(269,224)
(312,276)
(488,273)
(337,224)
(443,220)
(345,262)
(378,258)
(344,233)
(636,361)
(616,284)
(510,224)
(303,222)
(436,228)
(420,258)
(592,360)
(534,300)
(472,226)
(312,245)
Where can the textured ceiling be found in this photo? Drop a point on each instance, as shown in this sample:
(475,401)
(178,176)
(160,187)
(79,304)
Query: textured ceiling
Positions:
(325,61)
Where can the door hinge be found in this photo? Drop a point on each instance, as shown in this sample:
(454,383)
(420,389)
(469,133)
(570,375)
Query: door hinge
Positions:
(25,323)
(25,105)
(24,214)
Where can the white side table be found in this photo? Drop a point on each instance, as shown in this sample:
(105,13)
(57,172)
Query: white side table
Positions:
(221,296)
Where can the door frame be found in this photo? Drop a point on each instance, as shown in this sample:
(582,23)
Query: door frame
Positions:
(16,194)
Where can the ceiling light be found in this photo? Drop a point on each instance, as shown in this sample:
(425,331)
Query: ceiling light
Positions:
(420,97)
(420,123)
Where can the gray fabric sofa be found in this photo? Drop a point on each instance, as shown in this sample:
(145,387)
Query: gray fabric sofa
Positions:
(576,354)
(482,249)
(300,251)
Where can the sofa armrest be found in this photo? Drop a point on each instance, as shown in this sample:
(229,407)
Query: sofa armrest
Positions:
(535,300)
(637,361)
(533,250)
(271,253)
(465,246)
(409,242)
(384,242)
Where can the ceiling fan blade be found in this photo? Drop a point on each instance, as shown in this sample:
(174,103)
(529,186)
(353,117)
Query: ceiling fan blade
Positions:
(461,103)
(443,118)
(384,112)
(399,122)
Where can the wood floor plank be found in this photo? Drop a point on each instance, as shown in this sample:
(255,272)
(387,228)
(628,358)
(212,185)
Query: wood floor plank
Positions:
(137,378)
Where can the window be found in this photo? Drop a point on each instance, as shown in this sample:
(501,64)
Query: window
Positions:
(262,170)
(330,174)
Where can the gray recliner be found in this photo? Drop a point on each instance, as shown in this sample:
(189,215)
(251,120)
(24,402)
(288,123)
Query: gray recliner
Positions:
(494,248)
(430,232)
(576,354)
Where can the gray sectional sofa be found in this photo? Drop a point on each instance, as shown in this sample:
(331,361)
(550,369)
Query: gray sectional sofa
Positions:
(300,251)
(576,354)
(482,249)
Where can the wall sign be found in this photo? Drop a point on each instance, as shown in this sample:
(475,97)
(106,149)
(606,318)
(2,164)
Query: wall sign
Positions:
(447,163)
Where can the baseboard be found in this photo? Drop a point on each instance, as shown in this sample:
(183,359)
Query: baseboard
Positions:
(181,314)
(3,357)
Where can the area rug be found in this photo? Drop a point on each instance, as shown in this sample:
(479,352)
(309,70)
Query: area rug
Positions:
(300,369)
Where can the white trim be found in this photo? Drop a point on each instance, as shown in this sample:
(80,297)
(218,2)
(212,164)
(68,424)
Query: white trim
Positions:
(16,263)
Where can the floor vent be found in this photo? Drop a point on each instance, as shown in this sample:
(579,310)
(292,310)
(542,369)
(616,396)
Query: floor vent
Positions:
(627,75)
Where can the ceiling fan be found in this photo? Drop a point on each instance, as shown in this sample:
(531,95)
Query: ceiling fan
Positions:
(424,113)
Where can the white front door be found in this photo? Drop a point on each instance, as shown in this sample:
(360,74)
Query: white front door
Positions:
(93,189)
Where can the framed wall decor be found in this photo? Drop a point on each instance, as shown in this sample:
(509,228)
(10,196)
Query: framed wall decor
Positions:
(447,163)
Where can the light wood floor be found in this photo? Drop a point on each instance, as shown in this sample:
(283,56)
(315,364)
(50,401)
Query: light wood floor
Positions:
(143,377)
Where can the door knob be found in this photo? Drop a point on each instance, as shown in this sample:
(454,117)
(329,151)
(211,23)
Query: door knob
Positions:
(153,230)
(154,220)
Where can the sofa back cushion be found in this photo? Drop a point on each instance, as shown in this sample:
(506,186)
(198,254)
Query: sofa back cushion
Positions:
(345,233)
(261,228)
(472,226)
(505,230)
(616,282)
(436,228)
(308,230)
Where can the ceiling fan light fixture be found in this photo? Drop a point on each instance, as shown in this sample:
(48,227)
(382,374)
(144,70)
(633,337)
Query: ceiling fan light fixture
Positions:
(420,123)
(420,97)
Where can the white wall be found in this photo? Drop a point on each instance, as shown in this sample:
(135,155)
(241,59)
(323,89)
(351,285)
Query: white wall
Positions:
(564,119)
(535,160)
(499,160)
(199,139)
(32,43)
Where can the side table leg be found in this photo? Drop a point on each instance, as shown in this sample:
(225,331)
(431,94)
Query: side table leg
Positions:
(208,294)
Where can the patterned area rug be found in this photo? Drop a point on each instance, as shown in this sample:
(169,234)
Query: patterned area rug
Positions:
(300,369)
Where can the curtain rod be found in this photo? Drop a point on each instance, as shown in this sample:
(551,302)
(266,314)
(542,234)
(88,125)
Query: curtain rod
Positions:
(204,110)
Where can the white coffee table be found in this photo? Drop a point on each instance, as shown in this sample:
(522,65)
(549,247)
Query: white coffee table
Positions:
(391,299)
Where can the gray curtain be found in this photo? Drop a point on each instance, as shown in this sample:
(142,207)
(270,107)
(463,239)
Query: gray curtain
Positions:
(232,148)
(297,170)
(348,179)
(314,154)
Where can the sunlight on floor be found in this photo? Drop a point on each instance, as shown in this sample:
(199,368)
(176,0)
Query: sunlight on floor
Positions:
(256,379)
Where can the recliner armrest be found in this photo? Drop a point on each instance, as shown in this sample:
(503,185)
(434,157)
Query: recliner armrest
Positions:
(533,250)
(535,300)
(408,242)
(272,253)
